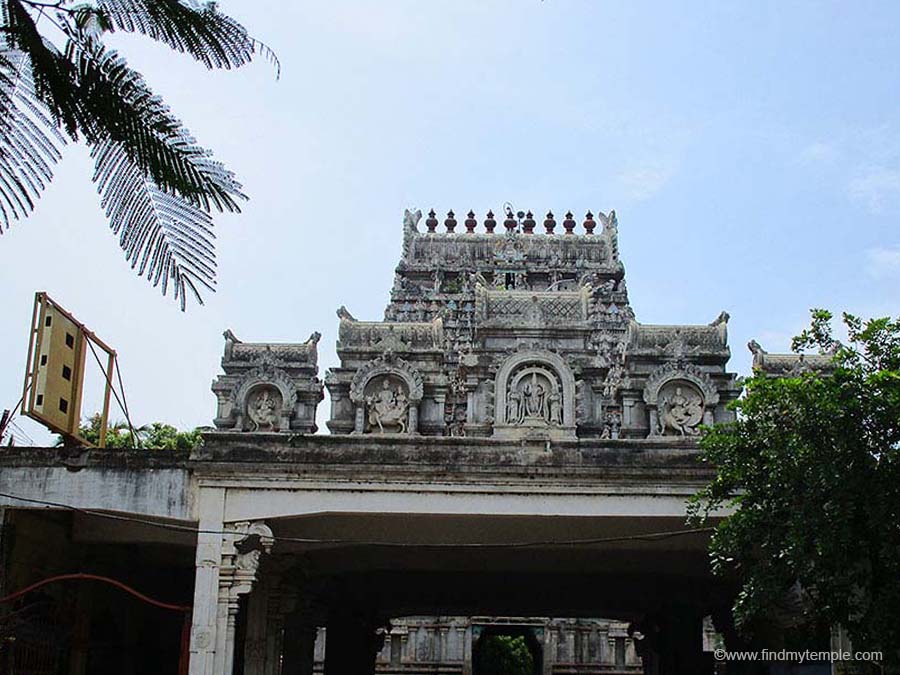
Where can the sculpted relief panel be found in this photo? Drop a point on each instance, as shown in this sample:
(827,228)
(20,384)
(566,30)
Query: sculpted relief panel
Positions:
(680,407)
(387,393)
(534,397)
(679,397)
(264,408)
(534,394)
(387,406)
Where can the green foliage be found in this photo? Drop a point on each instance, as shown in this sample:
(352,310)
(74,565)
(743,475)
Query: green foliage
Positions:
(155,436)
(504,655)
(158,187)
(812,465)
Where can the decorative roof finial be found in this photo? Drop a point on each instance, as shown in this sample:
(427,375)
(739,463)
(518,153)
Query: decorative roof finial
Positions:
(470,222)
(549,223)
(569,223)
(528,223)
(490,223)
(431,222)
(450,222)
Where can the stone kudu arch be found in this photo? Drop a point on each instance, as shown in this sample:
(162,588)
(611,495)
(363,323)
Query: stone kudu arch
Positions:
(393,367)
(259,379)
(561,425)
(672,374)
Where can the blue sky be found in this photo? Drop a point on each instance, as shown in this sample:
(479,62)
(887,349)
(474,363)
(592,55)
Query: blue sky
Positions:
(751,151)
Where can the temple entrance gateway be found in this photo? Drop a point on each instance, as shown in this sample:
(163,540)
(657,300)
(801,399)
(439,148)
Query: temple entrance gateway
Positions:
(507,649)
(500,446)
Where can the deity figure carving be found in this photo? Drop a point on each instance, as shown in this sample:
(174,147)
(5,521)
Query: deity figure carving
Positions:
(388,409)
(680,411)
(515,408)
(534,396)
(263,409)
(554,406)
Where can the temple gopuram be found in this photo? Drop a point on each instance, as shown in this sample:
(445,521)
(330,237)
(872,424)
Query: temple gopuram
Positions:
(509,455)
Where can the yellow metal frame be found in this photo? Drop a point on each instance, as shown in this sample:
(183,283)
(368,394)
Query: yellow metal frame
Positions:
(42,304)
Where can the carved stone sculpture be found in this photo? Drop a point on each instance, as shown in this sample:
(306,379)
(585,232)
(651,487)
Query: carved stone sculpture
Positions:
(534,398)
(268,386)
(680,410)
(388,408)
(264,408)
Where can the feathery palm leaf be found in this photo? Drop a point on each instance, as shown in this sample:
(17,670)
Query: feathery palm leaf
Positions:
(118,105)
(52,75)
(28,140)
(163,236)
(157,185)
(216,40)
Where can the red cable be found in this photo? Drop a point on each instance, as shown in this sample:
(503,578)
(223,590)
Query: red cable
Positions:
(95,577)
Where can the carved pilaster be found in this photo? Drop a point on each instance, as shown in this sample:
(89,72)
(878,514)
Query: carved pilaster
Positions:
(242,548)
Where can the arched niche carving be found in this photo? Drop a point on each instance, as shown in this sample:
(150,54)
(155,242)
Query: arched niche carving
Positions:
(679,397)
(265,399)
(534,392)
(387,392)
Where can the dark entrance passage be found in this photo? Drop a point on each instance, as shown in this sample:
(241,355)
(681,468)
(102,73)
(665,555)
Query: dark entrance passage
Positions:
(506,650)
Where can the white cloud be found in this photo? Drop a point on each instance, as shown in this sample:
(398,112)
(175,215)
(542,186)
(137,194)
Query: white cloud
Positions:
(642,183)
(876,187)
(883,261)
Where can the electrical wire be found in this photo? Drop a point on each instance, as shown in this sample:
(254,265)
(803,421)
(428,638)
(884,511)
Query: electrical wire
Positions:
(21,432)
(645,537)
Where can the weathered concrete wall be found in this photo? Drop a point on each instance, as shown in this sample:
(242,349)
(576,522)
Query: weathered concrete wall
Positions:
(126,482)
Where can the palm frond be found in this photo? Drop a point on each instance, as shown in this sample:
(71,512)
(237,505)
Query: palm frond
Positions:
(117,105)
(214,39)
(29,140)
(165,237)
(52,76)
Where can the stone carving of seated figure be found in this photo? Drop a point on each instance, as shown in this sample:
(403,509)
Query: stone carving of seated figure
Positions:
(388,409)
(680,412)
(263,410)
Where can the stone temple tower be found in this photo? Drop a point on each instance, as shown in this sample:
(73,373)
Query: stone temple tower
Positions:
(522,334)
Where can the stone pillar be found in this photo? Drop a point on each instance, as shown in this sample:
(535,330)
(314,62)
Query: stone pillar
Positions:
(413,425)
(237,575)
(255,647)
(359,419)
(654,422)
(281,602)
(468,646)
(549,650)
(570,643)
(299,647)
(680,645)
(223,573)
(206,581)
(352,646)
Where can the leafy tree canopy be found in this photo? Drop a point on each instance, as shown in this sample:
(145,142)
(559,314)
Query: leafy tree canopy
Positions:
(812,467)
(504,655)
(156,184)
(155,436)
